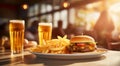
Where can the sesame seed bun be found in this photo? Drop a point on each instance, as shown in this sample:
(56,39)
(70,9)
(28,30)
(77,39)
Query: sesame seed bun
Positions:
(82,38)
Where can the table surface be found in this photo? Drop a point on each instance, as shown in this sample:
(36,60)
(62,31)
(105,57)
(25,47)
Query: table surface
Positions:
(111,58)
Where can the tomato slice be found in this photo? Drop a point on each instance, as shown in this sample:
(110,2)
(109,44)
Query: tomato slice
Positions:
(81,45)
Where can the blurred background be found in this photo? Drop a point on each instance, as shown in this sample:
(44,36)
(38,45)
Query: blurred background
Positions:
(97,18)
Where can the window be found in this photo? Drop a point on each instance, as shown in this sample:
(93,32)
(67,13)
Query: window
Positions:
(49,17)
(56,18)
(31,11)
(36,7)
(43,8)
(56,4)
(63,17)
(60,16)
(46,13)
(72,15)
(49,7)
(43,18)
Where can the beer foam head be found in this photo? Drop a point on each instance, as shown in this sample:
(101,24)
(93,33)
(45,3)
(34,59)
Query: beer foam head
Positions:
(17,21)
(46,24)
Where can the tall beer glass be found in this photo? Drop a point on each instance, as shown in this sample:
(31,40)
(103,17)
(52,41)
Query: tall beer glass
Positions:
(44,32)
(16,30)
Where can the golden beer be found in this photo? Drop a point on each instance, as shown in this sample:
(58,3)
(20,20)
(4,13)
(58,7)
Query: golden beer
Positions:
(16,30)
(44,32)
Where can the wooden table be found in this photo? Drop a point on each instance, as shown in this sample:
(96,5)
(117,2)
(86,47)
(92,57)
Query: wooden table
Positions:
(111,58)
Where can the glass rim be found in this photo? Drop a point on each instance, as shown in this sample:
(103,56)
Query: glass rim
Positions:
(17,21)
(47,24)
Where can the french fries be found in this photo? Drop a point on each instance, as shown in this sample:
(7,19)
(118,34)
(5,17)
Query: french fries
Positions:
(56,46)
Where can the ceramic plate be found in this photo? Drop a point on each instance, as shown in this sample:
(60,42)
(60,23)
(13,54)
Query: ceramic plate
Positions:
(97,53)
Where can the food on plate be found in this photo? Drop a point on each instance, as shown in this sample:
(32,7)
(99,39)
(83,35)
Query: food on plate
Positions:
(82,43)
(56,46)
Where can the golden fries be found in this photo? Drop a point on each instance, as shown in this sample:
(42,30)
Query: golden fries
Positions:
(56,46)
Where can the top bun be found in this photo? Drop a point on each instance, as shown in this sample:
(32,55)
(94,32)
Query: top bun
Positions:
(82,38)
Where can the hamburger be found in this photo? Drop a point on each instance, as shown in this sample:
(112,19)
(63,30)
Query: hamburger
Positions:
(82,43)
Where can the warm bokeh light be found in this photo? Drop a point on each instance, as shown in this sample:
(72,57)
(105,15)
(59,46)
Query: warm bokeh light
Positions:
(25,6)
(66,4)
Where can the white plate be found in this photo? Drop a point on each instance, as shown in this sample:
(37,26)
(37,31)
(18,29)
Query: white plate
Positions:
(94,54)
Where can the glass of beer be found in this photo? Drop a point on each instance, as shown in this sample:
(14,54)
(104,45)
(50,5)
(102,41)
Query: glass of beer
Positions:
(16,30)
(44,32)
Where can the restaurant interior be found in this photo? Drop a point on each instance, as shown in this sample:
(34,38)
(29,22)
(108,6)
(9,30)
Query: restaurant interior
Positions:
(97,18)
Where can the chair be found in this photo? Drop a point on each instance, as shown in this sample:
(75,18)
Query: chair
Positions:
(114,45)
